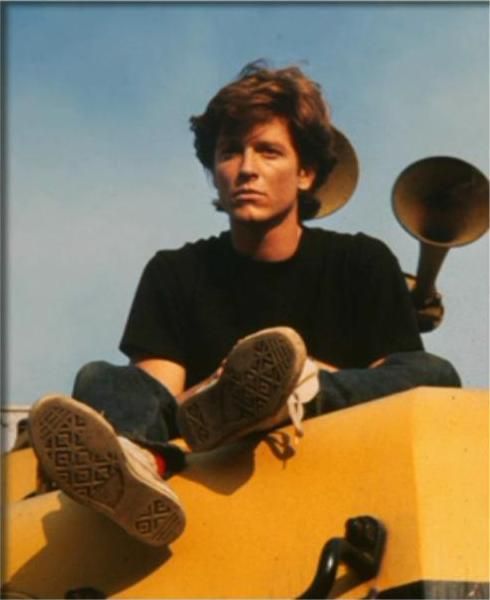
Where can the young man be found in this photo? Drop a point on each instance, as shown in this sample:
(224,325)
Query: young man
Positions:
(239,332)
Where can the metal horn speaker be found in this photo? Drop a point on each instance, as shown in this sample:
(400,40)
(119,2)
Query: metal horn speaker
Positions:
(342,181)
(443,202)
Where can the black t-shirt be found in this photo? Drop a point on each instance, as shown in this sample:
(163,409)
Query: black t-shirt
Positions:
(345,294)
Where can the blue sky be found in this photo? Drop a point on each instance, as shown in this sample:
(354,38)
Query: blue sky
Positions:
(101,171)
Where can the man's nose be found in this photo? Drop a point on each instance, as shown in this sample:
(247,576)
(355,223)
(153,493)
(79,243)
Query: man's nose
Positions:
(248,164)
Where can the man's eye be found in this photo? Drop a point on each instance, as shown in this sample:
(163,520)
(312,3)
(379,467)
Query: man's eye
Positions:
(270,152)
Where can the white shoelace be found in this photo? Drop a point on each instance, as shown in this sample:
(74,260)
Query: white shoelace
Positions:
(305,390)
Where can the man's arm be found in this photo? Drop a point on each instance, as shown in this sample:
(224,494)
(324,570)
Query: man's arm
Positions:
(172,376)
(153,335)
(168,373)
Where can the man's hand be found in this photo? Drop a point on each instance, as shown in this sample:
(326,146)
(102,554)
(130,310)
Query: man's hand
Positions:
(326,366)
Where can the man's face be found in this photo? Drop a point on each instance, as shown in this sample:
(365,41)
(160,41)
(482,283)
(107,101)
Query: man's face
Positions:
(258,175)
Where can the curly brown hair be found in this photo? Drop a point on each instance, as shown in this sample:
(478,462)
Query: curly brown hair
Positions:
(258,94)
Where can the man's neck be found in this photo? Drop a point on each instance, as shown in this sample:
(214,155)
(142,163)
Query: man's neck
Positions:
(264,242)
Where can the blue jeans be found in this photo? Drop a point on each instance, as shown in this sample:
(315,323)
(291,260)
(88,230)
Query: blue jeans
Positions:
(142,409)
(401,371)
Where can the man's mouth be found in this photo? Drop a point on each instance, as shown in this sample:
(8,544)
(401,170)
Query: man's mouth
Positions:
(246,194)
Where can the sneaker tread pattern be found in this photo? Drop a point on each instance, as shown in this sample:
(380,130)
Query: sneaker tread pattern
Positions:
(255,381)
(158,522)
(79,471)
(82,455)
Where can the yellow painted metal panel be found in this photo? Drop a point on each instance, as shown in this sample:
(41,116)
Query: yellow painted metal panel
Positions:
(18,474)
(260,511)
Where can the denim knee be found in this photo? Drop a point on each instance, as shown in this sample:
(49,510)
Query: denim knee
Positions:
(444,372)
(433,370)
(89,378)
(136,404)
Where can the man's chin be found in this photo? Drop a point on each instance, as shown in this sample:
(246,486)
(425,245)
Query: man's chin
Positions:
(247,215)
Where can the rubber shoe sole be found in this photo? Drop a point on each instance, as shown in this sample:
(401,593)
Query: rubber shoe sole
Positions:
(258,376)
(79,450)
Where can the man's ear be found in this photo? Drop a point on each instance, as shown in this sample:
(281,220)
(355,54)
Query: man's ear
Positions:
(306,178)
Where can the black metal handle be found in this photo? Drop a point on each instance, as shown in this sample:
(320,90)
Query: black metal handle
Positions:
(361,549)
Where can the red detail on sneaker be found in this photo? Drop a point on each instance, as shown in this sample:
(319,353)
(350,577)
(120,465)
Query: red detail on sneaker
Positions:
(161,463)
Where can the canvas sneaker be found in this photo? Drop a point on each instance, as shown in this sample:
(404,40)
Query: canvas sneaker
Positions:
(265,380)
(80,451)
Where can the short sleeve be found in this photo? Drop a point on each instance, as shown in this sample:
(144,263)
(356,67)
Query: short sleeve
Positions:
(155,325)
(386,313)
